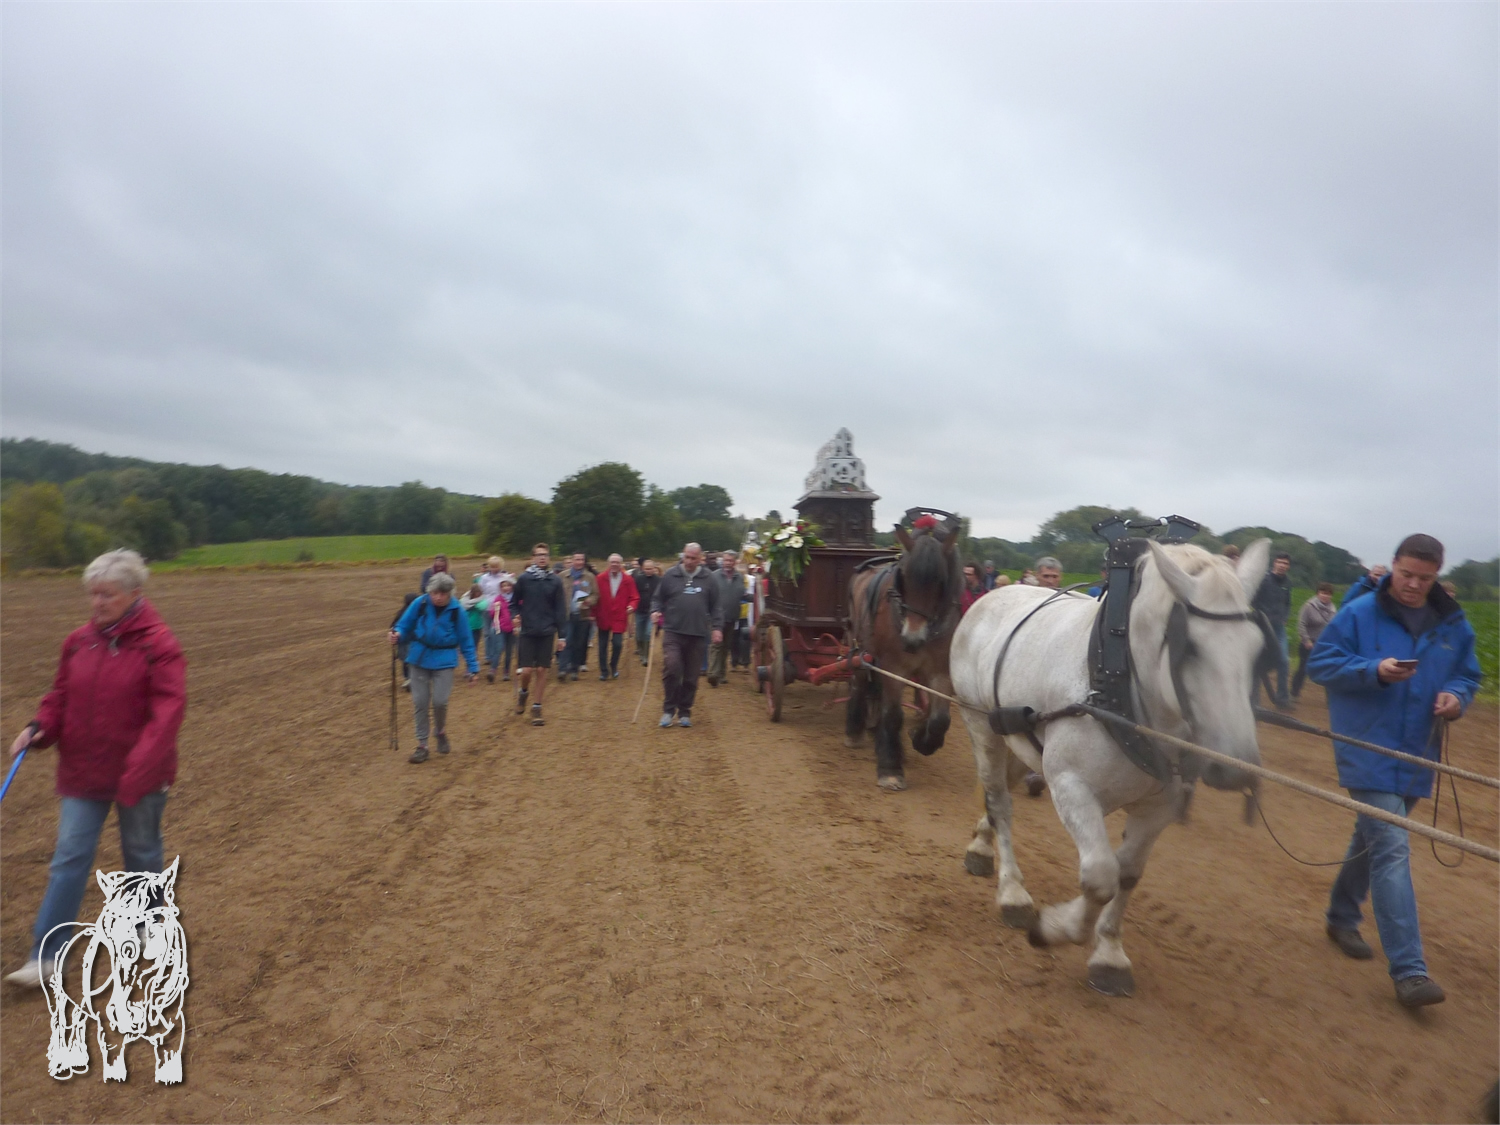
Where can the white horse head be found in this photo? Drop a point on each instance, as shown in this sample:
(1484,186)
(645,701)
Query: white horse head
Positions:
(1216,667)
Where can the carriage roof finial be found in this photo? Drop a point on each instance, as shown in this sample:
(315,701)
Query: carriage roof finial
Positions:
(837,469)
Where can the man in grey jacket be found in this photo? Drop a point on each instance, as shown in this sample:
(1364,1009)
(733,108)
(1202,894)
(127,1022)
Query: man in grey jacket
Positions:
(686,606)
(1314,616)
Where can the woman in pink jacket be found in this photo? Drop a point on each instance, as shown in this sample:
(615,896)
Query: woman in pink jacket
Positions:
(113,713)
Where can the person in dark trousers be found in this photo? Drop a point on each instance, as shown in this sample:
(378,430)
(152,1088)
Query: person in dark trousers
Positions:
(439,566)
(541,603)
(1312,619)
(1397,661)
(1274,599)
(646,579)
(618,598)
(731,593)
(436,629)
(686,606)
(582,589)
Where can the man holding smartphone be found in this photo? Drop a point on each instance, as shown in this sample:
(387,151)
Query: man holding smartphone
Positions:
(1397,661)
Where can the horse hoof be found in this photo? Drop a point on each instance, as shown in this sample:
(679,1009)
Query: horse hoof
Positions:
(1111,980)
(1034,932)
(976,863)
(892,783)
(1019,917)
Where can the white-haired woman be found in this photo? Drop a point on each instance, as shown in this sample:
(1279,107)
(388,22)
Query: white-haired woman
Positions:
(113,713)
(494,643)
(435,628)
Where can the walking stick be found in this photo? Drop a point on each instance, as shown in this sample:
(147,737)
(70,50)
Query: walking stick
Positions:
(11,776)
(650,652)
(395,659)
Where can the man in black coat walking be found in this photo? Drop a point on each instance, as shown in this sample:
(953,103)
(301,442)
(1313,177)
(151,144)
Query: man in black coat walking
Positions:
(542,605)
(1274,599)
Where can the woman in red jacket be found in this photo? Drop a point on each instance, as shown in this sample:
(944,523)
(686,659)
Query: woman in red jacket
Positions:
(113,713)
(618,598)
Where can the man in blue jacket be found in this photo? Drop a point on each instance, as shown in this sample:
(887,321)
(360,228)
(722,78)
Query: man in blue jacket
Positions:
(1397,661)
(434,628)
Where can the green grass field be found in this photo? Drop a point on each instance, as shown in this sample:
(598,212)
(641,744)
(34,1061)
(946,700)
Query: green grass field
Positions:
(338,548)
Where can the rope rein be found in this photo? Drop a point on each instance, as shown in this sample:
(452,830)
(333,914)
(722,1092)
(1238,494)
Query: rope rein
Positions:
(1432,833)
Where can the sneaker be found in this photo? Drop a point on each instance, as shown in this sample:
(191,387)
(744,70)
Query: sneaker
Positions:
(536,715)
(684,721)
(666,719)
(575,677)
(1349,941)
(521,701)
(406,685)
(418,756)
(614,675)
(442,746)
(1418,992)
(31,975)
(505,678)
(490,675)
(603,676)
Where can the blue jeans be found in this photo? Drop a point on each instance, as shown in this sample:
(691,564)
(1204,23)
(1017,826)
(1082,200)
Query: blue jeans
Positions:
(577,652)
(1384,874)
(79,823)
(1283,670)
(496,645)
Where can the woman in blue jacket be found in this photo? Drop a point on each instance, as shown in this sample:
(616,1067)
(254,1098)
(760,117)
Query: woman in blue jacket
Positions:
(1397,660)
(435,628)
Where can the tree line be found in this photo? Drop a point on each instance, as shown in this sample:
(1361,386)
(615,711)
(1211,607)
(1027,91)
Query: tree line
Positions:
(61,506)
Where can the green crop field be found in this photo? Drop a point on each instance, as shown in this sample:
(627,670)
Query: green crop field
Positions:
(338,548)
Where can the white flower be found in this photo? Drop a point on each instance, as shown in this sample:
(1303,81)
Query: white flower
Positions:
(780,535)
(795,541)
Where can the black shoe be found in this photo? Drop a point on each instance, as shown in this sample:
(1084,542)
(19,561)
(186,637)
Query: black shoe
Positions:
(614,675)
(442,746)
(1418,992)
(490,675)
(713,681)
(521,701)
(418,755)
(1350,943)
(603,676)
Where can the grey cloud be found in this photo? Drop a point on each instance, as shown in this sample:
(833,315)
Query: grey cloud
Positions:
(1233,261)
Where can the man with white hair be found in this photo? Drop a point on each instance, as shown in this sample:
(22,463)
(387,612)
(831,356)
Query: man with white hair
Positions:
(686,607)
(617,599)
(1049,572)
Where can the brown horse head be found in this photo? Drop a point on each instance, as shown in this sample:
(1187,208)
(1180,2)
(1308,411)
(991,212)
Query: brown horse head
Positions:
(928,581)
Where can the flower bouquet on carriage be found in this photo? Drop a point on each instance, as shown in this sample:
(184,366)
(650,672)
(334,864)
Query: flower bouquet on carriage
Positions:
(789,549)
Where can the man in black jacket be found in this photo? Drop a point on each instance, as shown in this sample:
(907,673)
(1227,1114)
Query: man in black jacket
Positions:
(646,579)
(542,605)
(1274,599)
(686,606)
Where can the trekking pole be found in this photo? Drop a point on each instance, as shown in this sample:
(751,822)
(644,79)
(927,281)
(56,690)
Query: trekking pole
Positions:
(645,686)
(11,776)
(395,659)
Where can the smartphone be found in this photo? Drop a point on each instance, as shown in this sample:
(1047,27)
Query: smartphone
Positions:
(1406,664)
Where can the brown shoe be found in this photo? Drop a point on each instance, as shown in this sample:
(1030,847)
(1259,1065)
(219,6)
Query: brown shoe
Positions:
(1418,992)
(1350,943)
(418,756)
(536,715)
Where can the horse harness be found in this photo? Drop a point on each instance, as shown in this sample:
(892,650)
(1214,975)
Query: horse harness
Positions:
(1111,671)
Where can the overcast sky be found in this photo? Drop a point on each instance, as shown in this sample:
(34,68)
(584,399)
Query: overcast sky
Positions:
(1232,261)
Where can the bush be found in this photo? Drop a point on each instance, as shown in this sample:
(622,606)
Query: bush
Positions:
(510,524)
(38,532)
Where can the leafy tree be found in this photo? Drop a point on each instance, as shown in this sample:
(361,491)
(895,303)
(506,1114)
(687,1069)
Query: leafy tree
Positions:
(659,532)
(511,524)
(702,502)
(1338,565)
(412,509)
(711,535)
(594,508)
(148,526)
(33,526)
(1476,581)
(1077,526)
(1307,568)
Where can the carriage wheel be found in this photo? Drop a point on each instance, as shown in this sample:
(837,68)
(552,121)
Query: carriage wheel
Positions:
(775,651)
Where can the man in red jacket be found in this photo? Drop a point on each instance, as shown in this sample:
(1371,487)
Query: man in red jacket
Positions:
(618,598)
(113,712)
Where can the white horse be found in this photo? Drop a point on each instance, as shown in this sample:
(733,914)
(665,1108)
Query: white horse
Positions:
(1047,668)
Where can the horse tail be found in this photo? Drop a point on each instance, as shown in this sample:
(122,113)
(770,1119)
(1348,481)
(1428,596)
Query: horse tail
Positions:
(67,1049)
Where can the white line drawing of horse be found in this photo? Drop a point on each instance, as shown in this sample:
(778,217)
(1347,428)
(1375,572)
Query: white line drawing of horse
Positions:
(148,977)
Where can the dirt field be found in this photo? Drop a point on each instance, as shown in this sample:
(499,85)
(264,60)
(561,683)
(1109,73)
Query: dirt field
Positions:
(594,920)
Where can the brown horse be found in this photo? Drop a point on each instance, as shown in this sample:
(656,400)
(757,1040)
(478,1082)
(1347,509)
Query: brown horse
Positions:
(902,614)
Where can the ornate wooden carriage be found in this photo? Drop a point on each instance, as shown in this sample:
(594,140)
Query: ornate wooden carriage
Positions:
(801,625)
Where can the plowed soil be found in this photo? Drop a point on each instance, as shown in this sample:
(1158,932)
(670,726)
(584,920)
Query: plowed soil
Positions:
(600,920)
